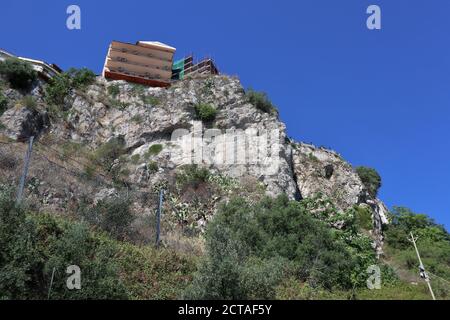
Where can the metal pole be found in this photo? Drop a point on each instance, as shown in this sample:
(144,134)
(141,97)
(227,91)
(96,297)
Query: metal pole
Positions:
(427,279)
(158,217)
(25,170)
(51,283)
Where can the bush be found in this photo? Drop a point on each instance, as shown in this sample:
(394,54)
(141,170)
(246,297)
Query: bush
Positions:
(112,215)
(433,243)
(371,180)
(114,90)
(192,175)
(81,78)
(20,74)
(135,159)
(3,103)
(260,101)
(405,221)
(154,150)
(108,152)
(363,217)
(153,101)
(152,166)
(205,112)
(62,85)
(29,102)
(33,245)
(251,249)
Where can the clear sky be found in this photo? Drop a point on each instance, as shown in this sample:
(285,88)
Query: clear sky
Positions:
(380,98)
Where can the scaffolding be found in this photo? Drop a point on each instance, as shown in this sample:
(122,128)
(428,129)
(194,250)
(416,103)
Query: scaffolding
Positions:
(186,67)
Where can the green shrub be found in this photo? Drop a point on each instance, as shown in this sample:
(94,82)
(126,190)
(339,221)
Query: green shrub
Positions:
(433,243)
(153,101)
(138,89)
(29,102)
(33,245)
(193,175)
(252,248)
(135,158)
(363,217)
(81,78)
(405,221)
(154,150)
(3,103)
(20,74)
(114,90)
(152,166)
(205,112)
(112,215)
(154,274)
(108,152)
(371,180)
(260,101)
(62,85)
(119,104)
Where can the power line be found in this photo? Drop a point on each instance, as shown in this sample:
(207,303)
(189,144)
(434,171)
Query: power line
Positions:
(25,170)
(96,173)
(436,276)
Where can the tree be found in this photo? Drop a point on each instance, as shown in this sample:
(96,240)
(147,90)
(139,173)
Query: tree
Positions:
(252,248)
(371,180)
(20,74)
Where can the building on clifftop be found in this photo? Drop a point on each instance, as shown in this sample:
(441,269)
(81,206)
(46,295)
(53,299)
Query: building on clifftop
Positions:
(146,62)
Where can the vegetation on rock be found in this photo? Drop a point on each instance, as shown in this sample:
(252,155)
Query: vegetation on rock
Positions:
(205,112)
(371,180)
(18,73)
(260,100)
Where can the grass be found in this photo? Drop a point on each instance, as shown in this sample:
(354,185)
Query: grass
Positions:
(153,167)
(150,100)
(154,150)
(29,102)
(137,119)
(135,159)
(71,148)
(260,100)
(114,90)
(205,112)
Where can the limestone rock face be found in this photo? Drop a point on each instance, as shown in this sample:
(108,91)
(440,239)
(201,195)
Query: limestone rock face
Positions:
(145,122)
(22,123)
(242,141)
(318,170)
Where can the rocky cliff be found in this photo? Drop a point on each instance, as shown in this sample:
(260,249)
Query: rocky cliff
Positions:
(150,123)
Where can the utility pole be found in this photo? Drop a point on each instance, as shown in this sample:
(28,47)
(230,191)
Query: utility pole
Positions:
(158,217)
(25,171)
(421,266)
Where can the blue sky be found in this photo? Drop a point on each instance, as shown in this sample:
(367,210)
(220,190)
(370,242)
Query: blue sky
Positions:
(380,98)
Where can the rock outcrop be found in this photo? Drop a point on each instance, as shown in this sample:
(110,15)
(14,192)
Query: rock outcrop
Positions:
(144,117)
(21,123)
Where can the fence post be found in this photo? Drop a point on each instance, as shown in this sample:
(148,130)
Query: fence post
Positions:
(158,217)
(25,171)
